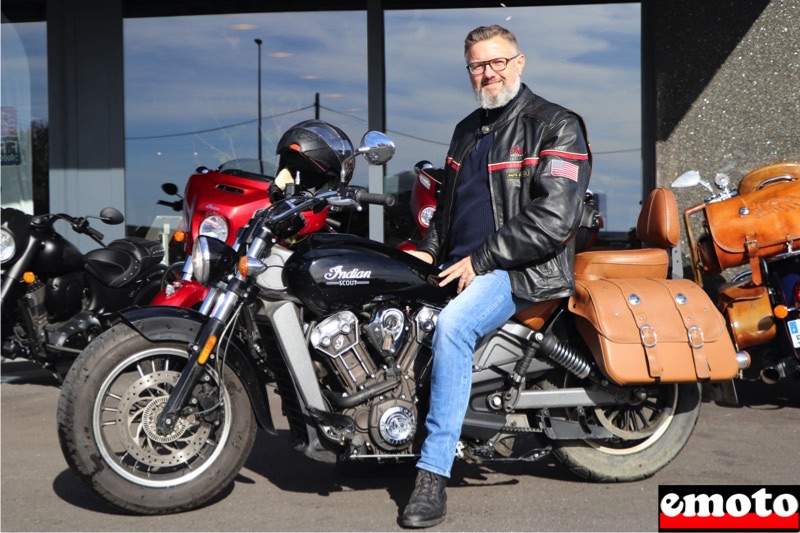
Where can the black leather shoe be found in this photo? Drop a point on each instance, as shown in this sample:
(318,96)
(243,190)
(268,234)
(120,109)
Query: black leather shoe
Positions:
(428,503)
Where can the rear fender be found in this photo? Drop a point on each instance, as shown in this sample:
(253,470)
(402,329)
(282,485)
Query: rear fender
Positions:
(177,324)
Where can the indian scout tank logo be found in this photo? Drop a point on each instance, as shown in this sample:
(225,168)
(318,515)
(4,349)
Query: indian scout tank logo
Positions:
(338,276)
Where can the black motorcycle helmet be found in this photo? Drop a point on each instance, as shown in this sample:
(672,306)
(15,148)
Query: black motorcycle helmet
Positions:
(317,150)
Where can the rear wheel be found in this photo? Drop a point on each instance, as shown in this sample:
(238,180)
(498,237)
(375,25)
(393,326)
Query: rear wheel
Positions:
(107,414)
(647,435)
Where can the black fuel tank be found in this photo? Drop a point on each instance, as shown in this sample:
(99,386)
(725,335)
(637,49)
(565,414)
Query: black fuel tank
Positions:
(338,271)
(56,255)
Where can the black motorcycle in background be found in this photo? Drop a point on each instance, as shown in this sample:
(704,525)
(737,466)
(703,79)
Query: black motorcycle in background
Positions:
(55,299)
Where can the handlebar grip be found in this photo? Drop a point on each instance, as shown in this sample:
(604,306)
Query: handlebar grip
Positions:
(364,197)
(93,233)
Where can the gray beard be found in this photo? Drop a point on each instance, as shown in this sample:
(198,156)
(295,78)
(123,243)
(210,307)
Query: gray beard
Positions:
(486,101)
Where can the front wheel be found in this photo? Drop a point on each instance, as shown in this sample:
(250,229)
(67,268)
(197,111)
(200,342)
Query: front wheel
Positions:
(647,436)
(107,413)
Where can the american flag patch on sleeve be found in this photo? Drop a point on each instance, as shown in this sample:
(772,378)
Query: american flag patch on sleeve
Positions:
(565,169)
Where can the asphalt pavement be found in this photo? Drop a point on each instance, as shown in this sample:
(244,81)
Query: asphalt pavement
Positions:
(757,442)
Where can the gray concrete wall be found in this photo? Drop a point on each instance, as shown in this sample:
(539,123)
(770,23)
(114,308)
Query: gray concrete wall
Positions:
(728,88)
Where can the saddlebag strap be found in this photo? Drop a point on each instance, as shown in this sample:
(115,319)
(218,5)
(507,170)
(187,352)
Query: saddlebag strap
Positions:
(694,333)
(647,331)
(751,248)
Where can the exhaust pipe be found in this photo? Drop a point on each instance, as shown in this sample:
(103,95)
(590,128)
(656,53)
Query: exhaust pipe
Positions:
(772,374)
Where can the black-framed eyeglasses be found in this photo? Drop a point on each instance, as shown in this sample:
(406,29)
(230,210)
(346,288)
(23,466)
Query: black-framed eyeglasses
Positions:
(498,64)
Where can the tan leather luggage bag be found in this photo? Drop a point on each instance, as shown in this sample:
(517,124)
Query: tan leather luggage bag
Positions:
(644,331)
(750,226)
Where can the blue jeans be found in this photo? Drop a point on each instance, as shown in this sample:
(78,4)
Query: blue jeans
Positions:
(485,305)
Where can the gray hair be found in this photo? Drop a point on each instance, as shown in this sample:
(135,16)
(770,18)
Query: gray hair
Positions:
(483,33)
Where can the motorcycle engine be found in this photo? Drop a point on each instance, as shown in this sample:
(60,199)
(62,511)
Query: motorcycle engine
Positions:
(371,365)
(64,295)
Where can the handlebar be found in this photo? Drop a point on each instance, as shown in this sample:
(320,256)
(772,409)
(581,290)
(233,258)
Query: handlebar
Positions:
(79,225)
(349,197)
(176,205)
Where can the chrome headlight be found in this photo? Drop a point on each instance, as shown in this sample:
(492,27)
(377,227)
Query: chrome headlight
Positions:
(7,245)
(211,259)
(215,226)
(426,215)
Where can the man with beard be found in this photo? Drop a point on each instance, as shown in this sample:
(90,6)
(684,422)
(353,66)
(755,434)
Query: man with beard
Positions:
(517,171)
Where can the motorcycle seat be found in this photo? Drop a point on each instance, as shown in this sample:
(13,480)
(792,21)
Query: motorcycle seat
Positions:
(123,260)
(658,226)
(537,314)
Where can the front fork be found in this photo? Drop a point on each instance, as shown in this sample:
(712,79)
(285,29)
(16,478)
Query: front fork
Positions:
(223,306)
(199,354)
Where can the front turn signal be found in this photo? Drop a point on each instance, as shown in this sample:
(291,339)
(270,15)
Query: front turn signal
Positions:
(250,266)
(29,277)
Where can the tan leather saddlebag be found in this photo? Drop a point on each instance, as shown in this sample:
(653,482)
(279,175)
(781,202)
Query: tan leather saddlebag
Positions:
(749,313)
(653,330)
(756,224)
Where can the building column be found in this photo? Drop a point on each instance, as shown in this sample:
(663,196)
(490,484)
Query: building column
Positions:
(376,90)
(86,108)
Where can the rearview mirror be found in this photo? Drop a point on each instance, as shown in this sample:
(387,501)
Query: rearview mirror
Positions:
(111,216)
(376,147)
(687,179)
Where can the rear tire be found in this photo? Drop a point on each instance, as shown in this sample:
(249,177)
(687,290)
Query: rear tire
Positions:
(647,437)
(106,426)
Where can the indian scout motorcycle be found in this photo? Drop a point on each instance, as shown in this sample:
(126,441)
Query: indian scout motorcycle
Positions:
(55,299)
(159,413)
(755,227)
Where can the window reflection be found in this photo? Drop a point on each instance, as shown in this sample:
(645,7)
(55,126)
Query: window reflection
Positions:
(191,91)
(584,57)
(191,88)
(24,116)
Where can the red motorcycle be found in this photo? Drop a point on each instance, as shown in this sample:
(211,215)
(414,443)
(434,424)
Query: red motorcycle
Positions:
(216,203)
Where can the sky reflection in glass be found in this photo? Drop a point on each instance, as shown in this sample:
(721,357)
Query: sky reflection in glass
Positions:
(191,88)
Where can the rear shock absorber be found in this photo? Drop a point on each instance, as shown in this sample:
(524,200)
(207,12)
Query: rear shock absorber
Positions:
(549,346)
(564,355)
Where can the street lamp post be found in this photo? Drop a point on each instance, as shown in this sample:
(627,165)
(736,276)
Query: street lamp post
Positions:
(258,44)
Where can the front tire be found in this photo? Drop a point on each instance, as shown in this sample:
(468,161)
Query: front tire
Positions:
(647,436)
(107,410)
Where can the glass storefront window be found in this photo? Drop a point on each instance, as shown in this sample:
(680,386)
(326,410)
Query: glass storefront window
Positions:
(191,92)
(24,116)
(584,57)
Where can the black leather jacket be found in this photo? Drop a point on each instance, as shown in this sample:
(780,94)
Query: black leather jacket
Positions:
(536,212)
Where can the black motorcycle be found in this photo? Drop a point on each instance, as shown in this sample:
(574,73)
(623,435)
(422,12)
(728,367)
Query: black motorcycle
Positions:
(160,412)
(55,299)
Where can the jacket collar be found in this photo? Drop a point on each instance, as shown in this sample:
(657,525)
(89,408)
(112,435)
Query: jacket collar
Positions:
(491,119)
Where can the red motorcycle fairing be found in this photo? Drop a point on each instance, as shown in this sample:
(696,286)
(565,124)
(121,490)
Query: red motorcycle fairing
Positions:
(424,196)
(234,195)
(182,293)
(233,192)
